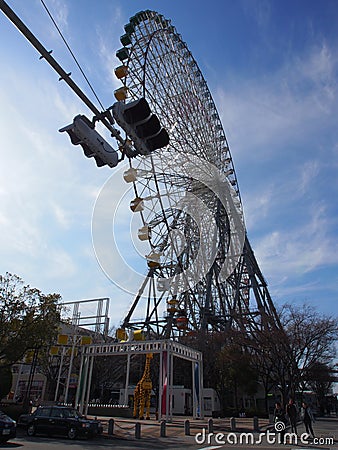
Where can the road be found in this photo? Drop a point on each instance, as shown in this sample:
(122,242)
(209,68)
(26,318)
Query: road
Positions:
(50,443)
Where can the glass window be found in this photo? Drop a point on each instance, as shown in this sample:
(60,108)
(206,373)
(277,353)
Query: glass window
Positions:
(35,390)
(43,412)
(73,413)
(66,413)
(56,412)
(207,404)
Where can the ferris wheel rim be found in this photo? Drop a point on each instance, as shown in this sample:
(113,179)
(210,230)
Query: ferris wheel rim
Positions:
(171,30)
(142,87)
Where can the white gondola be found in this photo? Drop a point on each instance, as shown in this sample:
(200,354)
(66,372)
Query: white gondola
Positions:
(144,233)
(130,175)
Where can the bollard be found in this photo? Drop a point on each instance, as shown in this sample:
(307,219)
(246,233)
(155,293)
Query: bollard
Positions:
(162,429)
(210,426)
(111,427)
(255,423)
(232,423)
(187,427)
(137,430)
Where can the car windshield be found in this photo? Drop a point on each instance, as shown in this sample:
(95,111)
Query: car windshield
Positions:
(42,412)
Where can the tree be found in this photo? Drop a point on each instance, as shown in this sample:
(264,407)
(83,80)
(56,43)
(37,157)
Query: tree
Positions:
(227,366)
(312,337)
(319,377)
(236,374)
(29,319)
(285,356)
(273,359)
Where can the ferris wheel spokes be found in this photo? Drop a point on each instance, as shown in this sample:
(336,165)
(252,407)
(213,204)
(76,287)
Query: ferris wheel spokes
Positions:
(202,273)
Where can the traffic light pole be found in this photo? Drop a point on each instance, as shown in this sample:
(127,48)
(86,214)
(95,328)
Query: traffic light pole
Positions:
(56,66)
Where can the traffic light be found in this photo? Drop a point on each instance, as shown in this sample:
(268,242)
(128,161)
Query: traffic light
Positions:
(141,125)
(82,132)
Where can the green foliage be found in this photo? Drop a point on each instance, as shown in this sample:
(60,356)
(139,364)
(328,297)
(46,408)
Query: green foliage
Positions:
(28,319)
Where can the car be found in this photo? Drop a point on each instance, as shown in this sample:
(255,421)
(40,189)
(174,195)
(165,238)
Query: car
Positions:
(61,420)
(7,427)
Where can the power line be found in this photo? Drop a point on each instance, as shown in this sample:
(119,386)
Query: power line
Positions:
(71,52)
(105,119)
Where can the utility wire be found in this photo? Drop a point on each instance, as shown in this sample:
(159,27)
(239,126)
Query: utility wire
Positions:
(71,52)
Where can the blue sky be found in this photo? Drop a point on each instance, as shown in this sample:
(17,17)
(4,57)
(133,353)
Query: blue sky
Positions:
(272,68)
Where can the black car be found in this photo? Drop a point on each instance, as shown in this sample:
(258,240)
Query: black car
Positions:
(7,427)
(61,420)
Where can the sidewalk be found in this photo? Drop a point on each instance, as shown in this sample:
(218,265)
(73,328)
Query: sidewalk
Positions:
(326,431)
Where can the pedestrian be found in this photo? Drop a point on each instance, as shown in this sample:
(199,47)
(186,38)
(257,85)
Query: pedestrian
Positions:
(291,412)
(308,418)
(280,421)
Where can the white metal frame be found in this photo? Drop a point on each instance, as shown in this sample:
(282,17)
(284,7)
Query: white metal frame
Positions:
(167,349)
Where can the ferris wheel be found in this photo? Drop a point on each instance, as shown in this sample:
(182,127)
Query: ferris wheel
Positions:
(202,273)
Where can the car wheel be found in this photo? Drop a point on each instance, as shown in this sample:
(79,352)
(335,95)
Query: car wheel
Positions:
(31,431)
(72,433)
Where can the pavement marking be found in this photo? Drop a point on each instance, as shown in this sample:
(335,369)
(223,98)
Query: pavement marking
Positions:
(215,446)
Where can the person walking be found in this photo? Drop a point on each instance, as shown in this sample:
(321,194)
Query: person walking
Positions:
(308,418)
(291,412)
(280,421)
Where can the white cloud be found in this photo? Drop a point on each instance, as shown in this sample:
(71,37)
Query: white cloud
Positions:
(257,205)
(47,188)
(41,22)
(60,265)
(259,10)
(107,42)
(62,216)
(309,172)
(59,11)
(320,67)
(292,252)
(109,62)
(299,98)
(282,133)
